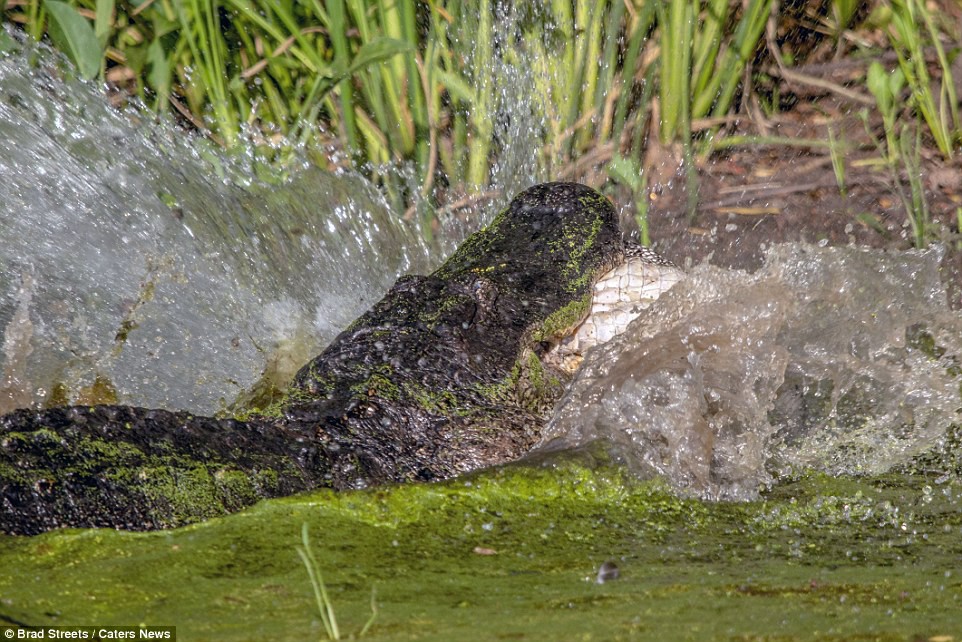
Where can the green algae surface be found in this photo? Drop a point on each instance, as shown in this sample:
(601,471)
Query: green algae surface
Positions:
(514,553)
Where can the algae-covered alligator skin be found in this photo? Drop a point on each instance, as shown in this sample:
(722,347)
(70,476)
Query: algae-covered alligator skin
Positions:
(443,376)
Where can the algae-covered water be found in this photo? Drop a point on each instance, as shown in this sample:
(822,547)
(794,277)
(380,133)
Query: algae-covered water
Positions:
(515,554)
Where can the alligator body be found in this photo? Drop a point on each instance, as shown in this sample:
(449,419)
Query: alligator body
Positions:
(444,375)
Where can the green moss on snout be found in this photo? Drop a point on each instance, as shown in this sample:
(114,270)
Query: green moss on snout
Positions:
(564,321)
(577,245)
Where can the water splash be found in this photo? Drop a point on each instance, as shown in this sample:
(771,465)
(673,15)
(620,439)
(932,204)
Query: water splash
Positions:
(142,266)
(845,360)
(138,265)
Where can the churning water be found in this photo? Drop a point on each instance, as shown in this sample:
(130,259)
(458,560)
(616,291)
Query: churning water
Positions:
(842,359)
(140,266)
(136,264)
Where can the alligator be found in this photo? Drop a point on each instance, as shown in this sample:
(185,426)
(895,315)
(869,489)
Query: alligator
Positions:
(448,373)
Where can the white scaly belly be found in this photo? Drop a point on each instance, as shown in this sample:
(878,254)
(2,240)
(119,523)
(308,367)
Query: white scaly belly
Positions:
(618,298)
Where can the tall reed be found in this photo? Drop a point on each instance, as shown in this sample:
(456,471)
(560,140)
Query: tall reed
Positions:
(398,80)
(912,28)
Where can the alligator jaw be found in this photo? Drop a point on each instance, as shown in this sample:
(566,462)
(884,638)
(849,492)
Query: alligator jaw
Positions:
(618,297)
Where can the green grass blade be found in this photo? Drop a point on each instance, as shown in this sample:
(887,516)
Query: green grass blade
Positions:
(160,74)
(717,98)
(325,608)
(589,53)
(609,65)
(481,116)
(338,32)
(370,621)
(414,92)
(456,85)
(677,31)
(916,205)
(708,44)
(629,173)
(377,51)
(632,62)
(73,35)
(103,19)
(305,51)
(948,99)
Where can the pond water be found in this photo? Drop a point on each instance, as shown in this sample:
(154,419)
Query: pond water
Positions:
(823,391)
(515,554)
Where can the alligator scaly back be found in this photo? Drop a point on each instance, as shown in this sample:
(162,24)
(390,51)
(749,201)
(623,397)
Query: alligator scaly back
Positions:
(441,377)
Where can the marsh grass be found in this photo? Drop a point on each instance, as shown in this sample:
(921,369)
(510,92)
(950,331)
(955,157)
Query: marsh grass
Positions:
(911,28)
(701,65)
(628,172)
(325,607)
(905,160)
(838,162)
(396,81)
(914,201)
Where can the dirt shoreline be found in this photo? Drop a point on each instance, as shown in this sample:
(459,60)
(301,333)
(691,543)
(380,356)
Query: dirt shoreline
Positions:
(754,197)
